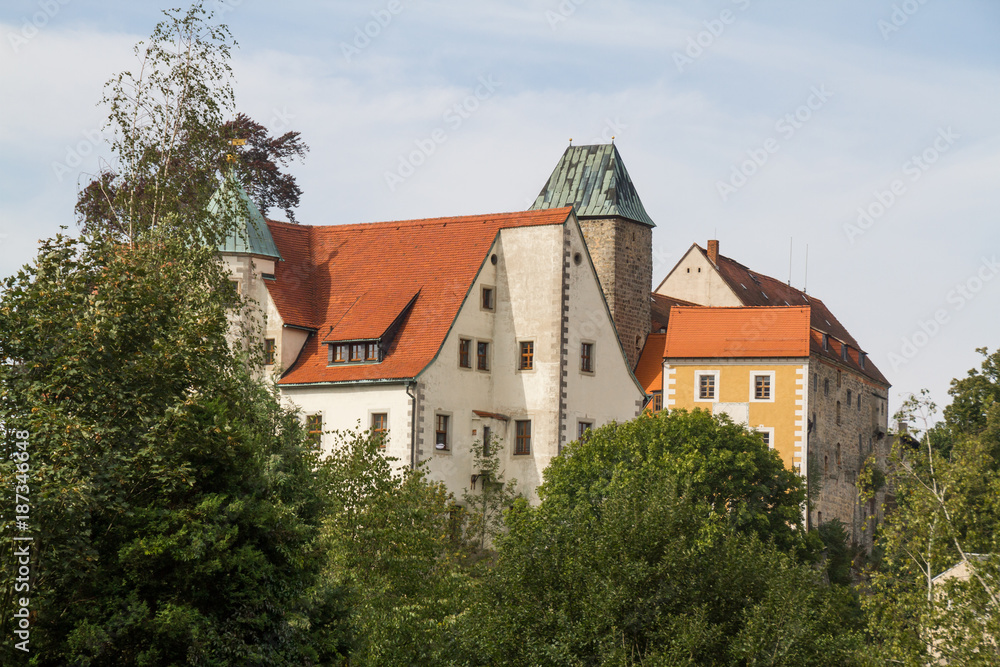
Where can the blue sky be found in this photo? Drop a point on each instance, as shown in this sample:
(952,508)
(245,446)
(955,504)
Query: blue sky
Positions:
(756,122)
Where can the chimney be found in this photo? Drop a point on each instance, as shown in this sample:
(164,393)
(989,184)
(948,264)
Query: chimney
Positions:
(713,252)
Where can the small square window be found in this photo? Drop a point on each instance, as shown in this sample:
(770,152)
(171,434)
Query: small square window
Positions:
(768,435)
(762,387)
(527,359)
(522,442)
(488,302)
(268,351)
(583,430)
(587,357)
(706,386)
(441,433)
(314,430)
(464,353)
(357,351)
(380,426)
(483,356)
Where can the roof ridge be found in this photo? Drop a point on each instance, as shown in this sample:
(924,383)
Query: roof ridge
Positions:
(441,220)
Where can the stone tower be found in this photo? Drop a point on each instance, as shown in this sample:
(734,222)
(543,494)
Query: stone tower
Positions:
(618,231)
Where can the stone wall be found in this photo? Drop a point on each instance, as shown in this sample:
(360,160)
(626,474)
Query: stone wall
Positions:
(622,252)
(837,451)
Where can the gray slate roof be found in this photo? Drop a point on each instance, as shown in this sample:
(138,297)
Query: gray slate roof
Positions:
(254,238)
(594,180)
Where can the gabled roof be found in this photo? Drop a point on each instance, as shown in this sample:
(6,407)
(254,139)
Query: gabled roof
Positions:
(649,370)
(253,237)
(704,332)
(593,179)
(756,289)
(352,281)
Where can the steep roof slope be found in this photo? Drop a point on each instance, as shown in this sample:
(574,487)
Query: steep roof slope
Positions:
(348,282)
(593,179)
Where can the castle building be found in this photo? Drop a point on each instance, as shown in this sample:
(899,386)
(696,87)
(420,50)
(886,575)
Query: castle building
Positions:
(775,359)
(441,334)
(618,231)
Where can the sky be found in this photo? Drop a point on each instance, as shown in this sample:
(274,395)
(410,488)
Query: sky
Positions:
(849,146)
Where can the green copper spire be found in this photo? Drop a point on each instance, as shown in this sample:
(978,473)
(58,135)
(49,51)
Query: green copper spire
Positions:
(594,180)
(253,237)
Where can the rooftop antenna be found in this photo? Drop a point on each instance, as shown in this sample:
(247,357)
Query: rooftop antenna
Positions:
(790,241)
(805,284)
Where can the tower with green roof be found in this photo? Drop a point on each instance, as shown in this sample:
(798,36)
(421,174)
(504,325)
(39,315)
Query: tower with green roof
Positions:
(618,231)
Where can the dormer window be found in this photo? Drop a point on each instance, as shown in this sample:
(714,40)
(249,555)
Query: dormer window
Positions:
(355,352)
(843,351)
(826,342)
(861,358)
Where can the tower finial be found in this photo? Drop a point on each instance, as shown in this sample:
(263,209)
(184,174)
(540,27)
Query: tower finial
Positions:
(571,141)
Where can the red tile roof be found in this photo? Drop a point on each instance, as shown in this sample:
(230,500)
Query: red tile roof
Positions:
(352,280)
(649,370)
(756,289)
(700,332)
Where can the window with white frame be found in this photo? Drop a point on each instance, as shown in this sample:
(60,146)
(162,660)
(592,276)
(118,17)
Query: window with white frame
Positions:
(767,432)
(706,386)
(762,386)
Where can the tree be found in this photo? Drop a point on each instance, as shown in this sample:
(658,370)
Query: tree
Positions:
(485,509)
(394,544)
(174,507)
(946,483)
(743,481)
(627,561)
(257,163)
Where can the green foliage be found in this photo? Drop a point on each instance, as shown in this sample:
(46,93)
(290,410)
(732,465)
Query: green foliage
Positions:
(743,481)
(484,511)
(975,395)
(394,546)
(167,116)
(839,555)
(174,507)
(626,561)
(947,496)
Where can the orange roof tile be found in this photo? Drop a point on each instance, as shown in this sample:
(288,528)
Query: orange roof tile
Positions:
(649,370)
(701,332)
(351,280)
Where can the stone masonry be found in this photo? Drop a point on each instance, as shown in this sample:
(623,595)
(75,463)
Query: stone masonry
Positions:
(840,440)
(622,252)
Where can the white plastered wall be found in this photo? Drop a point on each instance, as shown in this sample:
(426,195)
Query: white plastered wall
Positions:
(696,279)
